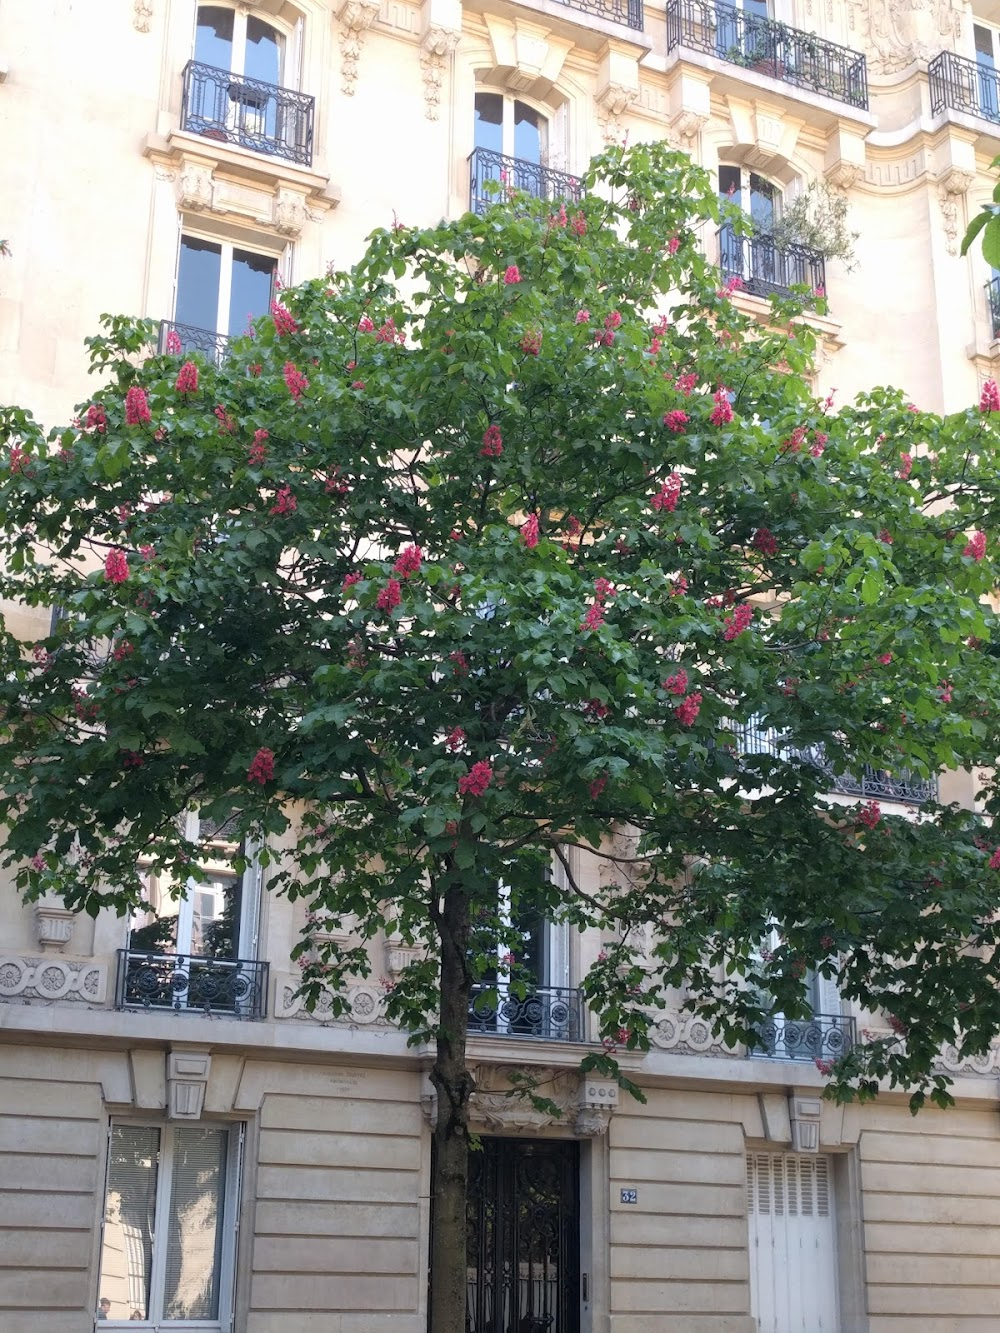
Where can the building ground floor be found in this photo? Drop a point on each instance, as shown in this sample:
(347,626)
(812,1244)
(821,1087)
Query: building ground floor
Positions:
(210,1176)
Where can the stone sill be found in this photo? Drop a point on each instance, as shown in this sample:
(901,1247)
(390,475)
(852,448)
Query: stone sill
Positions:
(242,164)
(589,31)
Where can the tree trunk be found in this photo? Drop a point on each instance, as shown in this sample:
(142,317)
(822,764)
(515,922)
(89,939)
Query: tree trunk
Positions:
(453,1085)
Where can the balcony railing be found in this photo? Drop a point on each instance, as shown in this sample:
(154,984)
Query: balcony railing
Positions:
(185,983)
(248,113)
(873,783)
(184,338)
(548,1013)
(822,1037)
(516,173)
(993,300)
(765,267)
(768,47)
(964,85)
(618,11)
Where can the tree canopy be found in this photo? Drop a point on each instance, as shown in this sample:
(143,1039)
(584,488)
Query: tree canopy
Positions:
(506,542)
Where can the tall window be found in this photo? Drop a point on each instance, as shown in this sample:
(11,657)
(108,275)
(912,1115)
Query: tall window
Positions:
(241,43)
(741,30)
(987,58)
(505,125)
(169,1234)
(221,287)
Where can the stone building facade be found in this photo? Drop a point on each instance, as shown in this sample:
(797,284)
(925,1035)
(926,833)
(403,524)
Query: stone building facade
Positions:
(177,1135)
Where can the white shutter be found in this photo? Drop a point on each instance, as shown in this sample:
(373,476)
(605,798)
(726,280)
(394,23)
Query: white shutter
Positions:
(828,1001)
(196,1225)
(793,1261)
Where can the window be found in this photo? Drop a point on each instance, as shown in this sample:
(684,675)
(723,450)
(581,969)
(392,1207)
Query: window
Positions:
(169,1235)
(987,56)
(517,145)
(826,1035)
(241,43)
(220,289)
(505,125)
(793,1253)
(743,34)
(760,263)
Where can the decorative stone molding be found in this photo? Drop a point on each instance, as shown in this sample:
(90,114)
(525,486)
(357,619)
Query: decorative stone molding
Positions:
(53,924)
(356,17)
(365,1007)
(436,48)
(597,1102)
(500,1108)
(770,135)
(142,15)
(290,213)
(894,33)
(804,1117)
(949,1060)
(188,1068)
(687,1034)
(527,57)
(684,130)
(194,187)
(844,175)
(953,185)
(51,979)
(398,956)
(612,104)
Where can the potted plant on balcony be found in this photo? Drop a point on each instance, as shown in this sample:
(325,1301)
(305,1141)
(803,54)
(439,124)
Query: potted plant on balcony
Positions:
(817,219)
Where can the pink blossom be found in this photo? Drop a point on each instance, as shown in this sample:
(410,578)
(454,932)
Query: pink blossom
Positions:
(885,659)
(594,618)
(594,708)
(673,245)
(669,493)
(583,317)
(687,383)
(136,407)
(283,321)
(512,275)
(687,710)
(722,412)
(148,553)
(676,420)
(174,344)
(995,860)
(388,333)
(19,459)
(365,325)
(531,343)
(116,566)
(295,381)
(492,442)
(187,378)
(989,400)
(905,466)
(389,597)
(358,385)
(227,426)
(408,561)
(350,580)
(614,320)
(285,502)
(680,586)
(737,621)
(677,683)
(944,692)
(335,484)
(793,445)
(258,450)
(529,530)
(825,1067)
(597,786)
(460,663)
(579,224)
(96,419)
(975,548)
(455,739)
(478,778)
(603,589)
(261,768)
(765,541)
(132,759)
(870,815)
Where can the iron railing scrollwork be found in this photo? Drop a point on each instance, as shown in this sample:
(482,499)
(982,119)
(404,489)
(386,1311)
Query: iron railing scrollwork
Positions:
(993,300)
(769,47)
(188,983)
(821,1037)
(516,174)
(872,783)
(549,1013)
(184,338)
(765,267)
(248,113)
(963,85)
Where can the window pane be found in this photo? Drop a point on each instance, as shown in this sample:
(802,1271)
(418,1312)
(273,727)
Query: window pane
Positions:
(253,279)
(198,284)
(489,122)
(195,1225)
(129,1212)
(763,202)
(756,7)
(263,53)
(529,134)
(213,40)
(729,184)
(984,45)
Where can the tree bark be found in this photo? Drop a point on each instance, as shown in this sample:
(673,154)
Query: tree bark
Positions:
(453,1085)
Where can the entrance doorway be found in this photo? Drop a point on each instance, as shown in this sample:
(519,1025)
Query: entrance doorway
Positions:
(523,1219)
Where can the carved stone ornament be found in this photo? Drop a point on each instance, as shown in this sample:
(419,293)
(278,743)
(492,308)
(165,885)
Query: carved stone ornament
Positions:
(53,924)
(356,17)
(187,1081)
(194,187)
(612,104)
(290,213)
(435,51)
(845,175)
(499,1108)
(49,979)
(684,130)
(952,186)
(804,1117)
(142,15)
(894,33)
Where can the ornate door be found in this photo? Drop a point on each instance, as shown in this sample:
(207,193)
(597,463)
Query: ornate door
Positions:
(524,1237)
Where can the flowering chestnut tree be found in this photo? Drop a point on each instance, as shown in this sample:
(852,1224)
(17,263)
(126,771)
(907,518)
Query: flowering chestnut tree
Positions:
(434,588)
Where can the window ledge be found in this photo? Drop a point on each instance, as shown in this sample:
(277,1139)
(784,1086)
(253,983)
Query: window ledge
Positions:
(588,30)
(829,332)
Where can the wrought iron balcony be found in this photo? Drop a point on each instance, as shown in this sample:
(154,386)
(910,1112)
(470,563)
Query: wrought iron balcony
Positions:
(964,85)
(549,1013)
(768,47)
(873,783)
(628,12)
(183,338)
(822,1037)
(515,173)
(765,267)
(186,983)
(248,113)
(993,299)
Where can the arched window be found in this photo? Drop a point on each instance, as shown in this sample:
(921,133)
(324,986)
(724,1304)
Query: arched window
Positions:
(512,145)
(239,43)
(761,264)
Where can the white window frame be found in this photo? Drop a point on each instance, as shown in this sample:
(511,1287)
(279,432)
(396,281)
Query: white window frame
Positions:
(231,1198)
(227,246)
(291,42)
(508,114)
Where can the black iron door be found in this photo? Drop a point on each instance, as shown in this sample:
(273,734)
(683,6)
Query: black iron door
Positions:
(524,1237)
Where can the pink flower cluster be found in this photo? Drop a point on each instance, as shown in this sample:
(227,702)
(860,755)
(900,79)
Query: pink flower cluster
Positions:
(261,768)
(227,426)
(686,384)
(989,399)
(676,420)
(174,344)
(669,493)
(512,275)
(529,531)
(295,381)
(187,378)
(283,321)
(492,442)
(677,683)
(870,815)
(531,343)
(285,502)
(96,418)
(390,596)
(738,620)
(455,739)
(687,710)
(722,412)
(460,663)
(597,786)
(905,466)
(258,450)
(408,561)
(765,541)
(136,407)
(350,580)
(680,586)
(975,548)
(388,333)
(116,566)
(583,317)
(365,324)
(995,860)
(673,245)
(478,778)
(594,618)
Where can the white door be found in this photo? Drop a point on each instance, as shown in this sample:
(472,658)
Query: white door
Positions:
(793,1253)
